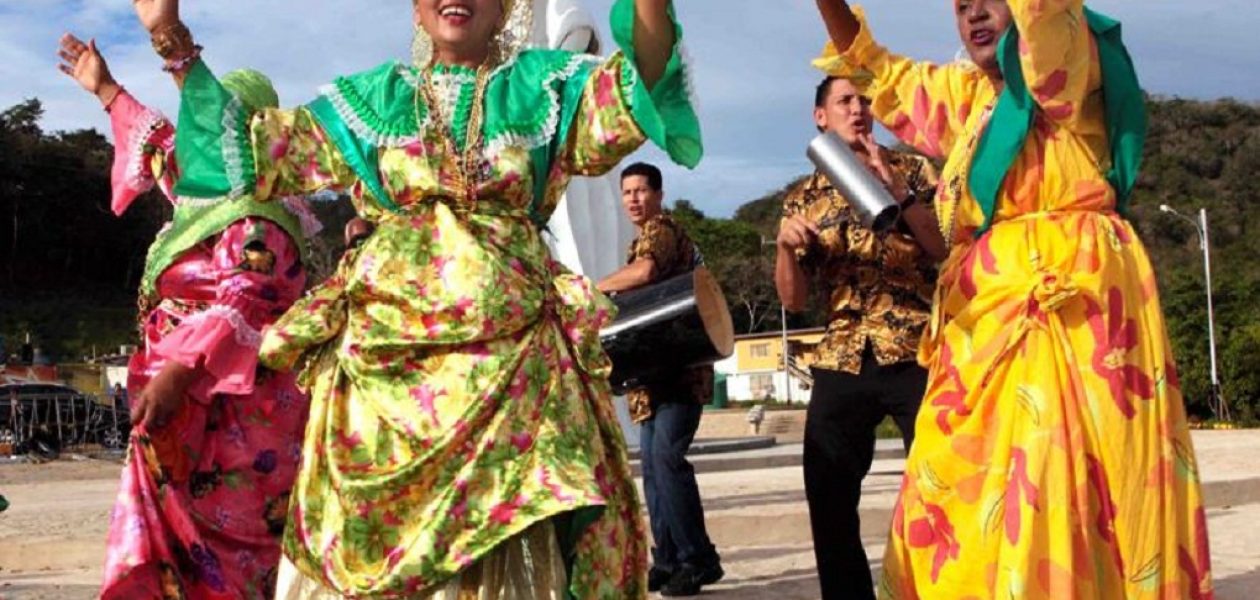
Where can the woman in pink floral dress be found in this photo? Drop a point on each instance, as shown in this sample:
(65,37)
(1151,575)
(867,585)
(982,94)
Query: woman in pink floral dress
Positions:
(205,490)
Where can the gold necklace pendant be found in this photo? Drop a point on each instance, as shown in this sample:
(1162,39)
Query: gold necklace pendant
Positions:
(467,173)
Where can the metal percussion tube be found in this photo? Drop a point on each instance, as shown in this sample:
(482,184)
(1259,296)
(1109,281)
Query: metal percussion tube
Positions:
(874,206)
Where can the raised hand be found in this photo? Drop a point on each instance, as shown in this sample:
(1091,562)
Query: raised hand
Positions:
(877,160)
(653,39)
(842,25)
(84,63)
(156,13)
(796,232)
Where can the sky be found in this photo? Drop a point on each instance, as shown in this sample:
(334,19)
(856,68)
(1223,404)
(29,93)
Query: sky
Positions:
(750,61)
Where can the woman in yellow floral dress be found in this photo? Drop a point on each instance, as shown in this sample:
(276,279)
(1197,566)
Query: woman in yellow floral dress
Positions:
(1052,457)
(462,441)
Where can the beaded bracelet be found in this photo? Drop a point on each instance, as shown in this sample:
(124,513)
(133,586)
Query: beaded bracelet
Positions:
(172,40)
(180,65)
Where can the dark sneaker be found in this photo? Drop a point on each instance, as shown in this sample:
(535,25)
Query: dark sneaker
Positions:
(711,574)
(688,579)
(657,578)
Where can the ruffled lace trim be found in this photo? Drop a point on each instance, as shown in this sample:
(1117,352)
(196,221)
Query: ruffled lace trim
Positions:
(455,92)
(137,177)
(294,205)
(233,156)
(689,84)
(362,123)
(450,86)
(543,135)
(200,202)
(408,74)
(357,118)
(245,336)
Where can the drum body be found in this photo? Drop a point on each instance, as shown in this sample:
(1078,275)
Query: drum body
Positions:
(667,326)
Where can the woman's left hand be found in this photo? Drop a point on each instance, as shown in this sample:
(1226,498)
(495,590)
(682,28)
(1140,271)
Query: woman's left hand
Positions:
(159,401)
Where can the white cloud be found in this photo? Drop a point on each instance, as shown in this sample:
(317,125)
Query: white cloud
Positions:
(751,62)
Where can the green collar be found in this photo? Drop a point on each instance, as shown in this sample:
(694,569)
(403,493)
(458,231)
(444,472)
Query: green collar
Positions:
(529,102)
(1012,118)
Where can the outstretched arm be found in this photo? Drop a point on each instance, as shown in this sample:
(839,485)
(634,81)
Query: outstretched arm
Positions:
(842,25)
(227,146)
(1058,56)
(156,14)
(653,39)
(924,105)
(143,138)
(171,40)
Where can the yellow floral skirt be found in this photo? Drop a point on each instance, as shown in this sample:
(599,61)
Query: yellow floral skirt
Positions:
(526,567)
(1052,458)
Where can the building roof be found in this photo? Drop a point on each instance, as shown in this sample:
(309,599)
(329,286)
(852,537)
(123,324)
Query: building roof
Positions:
(768,335)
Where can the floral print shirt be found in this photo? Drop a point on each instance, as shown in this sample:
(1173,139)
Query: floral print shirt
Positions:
(877,287)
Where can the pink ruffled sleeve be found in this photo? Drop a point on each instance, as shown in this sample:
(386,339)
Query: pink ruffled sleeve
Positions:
(141,135)
(260,275)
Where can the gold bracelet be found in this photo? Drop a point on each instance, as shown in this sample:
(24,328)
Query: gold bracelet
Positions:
(173,41)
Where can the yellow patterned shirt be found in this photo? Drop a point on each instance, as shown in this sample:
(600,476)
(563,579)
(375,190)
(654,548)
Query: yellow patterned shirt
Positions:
(664,241)
(878,287)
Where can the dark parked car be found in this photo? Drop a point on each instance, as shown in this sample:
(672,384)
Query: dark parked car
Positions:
(58,415)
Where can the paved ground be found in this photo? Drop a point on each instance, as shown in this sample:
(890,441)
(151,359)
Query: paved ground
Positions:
(52,538)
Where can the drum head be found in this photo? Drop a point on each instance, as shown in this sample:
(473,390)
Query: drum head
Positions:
(711,304)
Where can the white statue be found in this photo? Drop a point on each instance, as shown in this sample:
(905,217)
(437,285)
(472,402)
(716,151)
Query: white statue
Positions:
(589,232)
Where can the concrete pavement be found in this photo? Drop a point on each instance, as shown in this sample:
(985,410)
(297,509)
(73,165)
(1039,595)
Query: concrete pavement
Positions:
(52,538)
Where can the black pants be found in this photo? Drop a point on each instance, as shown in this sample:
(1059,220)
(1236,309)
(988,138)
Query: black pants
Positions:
(669,482)
(844,410)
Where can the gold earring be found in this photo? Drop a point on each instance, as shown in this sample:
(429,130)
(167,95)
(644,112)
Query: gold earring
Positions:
(421,48)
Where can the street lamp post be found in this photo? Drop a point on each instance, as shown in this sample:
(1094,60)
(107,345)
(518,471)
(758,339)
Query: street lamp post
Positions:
(1201,227)
(787,373)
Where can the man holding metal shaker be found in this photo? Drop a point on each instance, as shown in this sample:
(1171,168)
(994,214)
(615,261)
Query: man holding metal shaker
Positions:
(860,230)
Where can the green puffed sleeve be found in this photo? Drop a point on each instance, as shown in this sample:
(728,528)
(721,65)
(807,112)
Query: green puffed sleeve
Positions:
(226,149)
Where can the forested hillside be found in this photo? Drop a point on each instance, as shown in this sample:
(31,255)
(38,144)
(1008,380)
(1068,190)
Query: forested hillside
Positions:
(69,269)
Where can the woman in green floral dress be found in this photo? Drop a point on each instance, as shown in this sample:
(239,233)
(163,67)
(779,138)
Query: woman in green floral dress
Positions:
(462,441)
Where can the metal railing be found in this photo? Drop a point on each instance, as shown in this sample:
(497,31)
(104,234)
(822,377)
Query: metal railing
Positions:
(47,424)
(800,371)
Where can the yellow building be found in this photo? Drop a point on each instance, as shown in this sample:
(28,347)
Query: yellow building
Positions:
(755,370)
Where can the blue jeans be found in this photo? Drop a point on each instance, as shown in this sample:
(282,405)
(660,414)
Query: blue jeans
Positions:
(669,482)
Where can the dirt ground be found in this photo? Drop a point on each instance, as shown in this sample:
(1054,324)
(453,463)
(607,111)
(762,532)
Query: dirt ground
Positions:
(52,537)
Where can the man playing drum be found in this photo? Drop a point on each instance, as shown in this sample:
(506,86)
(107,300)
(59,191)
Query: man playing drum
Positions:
(683,559)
